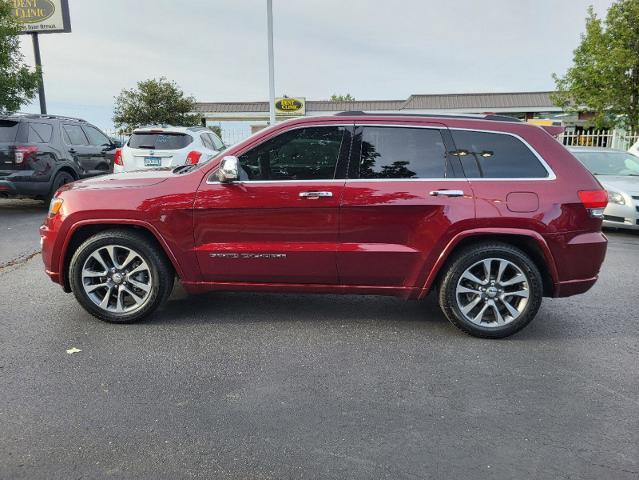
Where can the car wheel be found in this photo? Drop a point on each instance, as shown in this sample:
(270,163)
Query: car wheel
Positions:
(491,290)
(61,178)
(120,276)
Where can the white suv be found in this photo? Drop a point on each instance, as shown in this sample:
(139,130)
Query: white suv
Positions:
(153,147)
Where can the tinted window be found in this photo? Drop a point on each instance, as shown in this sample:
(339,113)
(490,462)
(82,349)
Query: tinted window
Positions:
(74,135)
(496,155)
(8,130)
(96,137)
(609,163)
(396,152)
(206,141)
(301,154)
(40,133)
(160,141)
(217,143)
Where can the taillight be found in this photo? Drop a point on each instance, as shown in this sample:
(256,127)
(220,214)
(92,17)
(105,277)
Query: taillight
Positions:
(193,157)
(595,201)
(22,153)
(117,157)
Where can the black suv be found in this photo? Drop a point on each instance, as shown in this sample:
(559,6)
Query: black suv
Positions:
(40,153)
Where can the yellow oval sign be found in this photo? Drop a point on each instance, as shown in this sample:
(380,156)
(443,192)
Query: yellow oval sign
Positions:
(289,105)
(32,11)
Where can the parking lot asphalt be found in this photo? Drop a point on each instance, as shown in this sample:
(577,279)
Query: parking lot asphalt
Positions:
(265,386)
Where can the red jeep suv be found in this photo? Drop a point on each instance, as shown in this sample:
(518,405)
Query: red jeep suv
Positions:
(490,213)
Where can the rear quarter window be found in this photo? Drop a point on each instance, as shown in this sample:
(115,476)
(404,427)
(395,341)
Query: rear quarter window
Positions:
(496,155)
(160,141)
(40,132)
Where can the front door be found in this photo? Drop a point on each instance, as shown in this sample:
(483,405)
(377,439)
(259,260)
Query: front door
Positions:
(405,191)
(279,223)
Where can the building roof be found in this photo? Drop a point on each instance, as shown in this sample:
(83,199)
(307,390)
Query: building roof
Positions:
(457,101)
(479,100)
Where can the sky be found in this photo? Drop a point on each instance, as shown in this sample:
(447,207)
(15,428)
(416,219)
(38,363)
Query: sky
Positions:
(216,50)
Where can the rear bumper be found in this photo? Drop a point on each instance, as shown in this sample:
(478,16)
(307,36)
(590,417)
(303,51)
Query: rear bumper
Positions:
(23,188)
(578,257)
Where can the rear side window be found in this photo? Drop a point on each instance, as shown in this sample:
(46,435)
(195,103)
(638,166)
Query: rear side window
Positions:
(217,143)
(73,135)
(160,141)
(398,152)
(40,132)
(8,131)
(496,155)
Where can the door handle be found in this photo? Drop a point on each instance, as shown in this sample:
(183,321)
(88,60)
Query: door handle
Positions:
(313,195)
(447,193)
(72,151)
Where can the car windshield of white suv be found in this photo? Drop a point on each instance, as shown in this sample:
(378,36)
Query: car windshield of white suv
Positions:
(610,163)
(160,141)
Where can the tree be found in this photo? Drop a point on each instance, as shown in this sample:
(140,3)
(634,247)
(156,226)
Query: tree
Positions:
(153,102)
(342,98)
(18,83)
(604,77)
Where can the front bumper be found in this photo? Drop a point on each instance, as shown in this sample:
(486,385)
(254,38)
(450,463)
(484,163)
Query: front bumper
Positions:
(622,216)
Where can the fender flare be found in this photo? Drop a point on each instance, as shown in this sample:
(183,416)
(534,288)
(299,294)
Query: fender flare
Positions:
(480,232)
(101,221)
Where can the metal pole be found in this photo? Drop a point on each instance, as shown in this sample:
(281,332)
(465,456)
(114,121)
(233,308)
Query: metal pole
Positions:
(38,62)
(271,68)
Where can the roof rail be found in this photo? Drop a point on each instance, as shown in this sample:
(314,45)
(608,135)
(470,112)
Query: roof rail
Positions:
(492,117)
(44,115)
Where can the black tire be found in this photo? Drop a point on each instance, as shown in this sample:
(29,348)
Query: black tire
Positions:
(60,179)
(160,272)
(465,259)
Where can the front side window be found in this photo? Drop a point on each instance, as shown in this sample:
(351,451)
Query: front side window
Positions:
(496,155)
(400,152)
(73,135)
(96,137)
(300,154)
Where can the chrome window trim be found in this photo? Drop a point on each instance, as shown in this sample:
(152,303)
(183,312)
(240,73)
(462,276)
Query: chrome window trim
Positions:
(551,174)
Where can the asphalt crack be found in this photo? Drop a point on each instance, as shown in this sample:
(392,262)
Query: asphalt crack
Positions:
(18,261)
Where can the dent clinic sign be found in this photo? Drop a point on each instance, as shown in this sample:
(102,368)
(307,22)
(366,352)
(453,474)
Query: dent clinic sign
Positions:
(42,16)
(290,107)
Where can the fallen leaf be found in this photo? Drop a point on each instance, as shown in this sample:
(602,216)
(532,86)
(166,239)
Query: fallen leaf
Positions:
(73,350)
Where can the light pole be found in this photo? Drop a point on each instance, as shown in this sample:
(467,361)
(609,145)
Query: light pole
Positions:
(271,67)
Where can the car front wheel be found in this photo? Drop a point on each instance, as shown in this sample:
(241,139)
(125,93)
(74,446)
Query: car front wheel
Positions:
(491,290)
(120,276)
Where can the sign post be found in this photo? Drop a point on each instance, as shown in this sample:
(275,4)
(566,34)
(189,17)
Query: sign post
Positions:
(41,16)
(271,67)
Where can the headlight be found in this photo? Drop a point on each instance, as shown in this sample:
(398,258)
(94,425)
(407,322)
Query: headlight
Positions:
(617,198)
(55,206)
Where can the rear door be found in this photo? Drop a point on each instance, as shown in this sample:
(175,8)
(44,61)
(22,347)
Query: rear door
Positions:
(157,148)
(278,224)
(405,194)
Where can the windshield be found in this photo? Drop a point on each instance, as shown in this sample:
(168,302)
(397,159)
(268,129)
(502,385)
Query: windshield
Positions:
(160,141)
(609,163)
(8,131)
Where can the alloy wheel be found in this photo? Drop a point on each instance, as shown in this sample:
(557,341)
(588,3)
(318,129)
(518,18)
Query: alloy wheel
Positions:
(492,292)
(117,279)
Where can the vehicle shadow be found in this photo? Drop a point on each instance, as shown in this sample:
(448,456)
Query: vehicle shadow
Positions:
(249,307)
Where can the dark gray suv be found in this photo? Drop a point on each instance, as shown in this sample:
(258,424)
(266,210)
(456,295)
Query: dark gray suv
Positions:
(40,153)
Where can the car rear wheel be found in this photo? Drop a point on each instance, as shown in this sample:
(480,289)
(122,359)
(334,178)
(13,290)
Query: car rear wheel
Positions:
(60,179)
(491,290)
(120,276)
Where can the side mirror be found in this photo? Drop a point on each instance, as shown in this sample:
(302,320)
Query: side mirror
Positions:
(229,170)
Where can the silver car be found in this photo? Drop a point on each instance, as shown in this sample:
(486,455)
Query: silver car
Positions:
(618,173)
